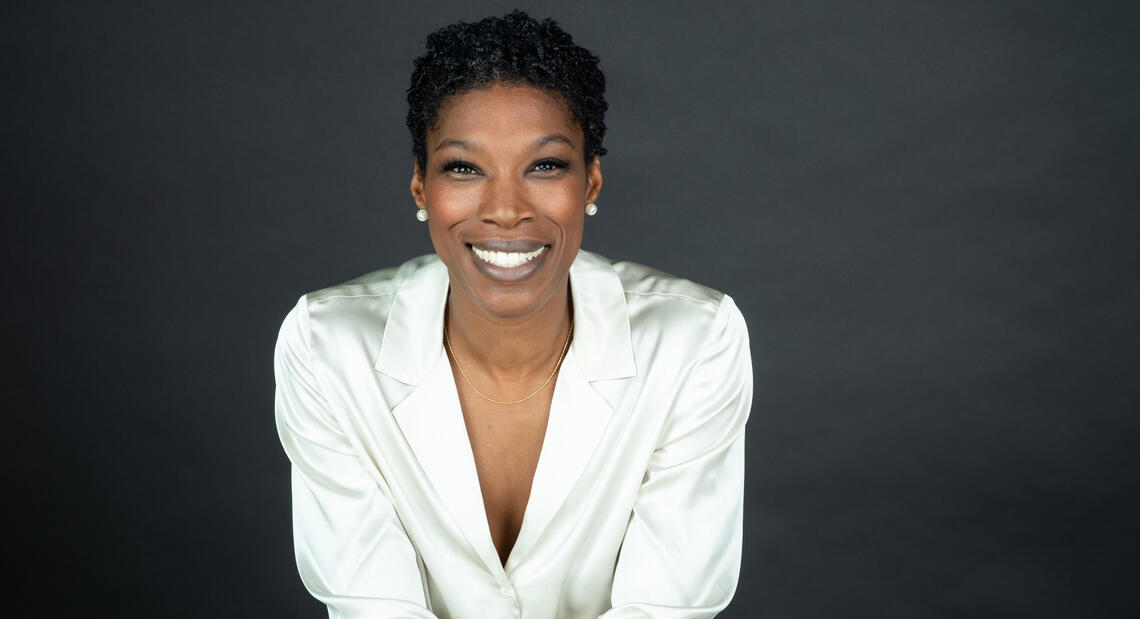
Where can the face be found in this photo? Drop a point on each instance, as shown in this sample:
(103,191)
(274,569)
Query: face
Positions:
(505,188)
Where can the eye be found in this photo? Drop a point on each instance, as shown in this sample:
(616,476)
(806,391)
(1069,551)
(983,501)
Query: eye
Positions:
(550,165)
(459,167)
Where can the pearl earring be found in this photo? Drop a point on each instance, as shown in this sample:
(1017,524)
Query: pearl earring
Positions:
(421,214)
(591,209)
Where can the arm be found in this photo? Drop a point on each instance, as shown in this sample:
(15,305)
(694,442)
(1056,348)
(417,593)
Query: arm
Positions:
(352,551)
(681,555)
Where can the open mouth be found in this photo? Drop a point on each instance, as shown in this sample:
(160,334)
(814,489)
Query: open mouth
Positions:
(507,259)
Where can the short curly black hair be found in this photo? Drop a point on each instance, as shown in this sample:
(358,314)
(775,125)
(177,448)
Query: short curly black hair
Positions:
(515,49)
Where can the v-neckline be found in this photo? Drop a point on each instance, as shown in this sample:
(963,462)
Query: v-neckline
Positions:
(431,419)
(478,445)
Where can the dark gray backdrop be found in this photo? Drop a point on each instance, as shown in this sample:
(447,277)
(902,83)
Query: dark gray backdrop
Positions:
(927,212)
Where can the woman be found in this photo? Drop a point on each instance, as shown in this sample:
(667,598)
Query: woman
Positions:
(513,427)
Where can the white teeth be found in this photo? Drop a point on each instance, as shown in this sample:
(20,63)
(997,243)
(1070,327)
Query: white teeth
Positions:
(507,259)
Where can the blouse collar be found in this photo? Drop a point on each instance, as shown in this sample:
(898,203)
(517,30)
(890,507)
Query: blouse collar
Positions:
(413,334)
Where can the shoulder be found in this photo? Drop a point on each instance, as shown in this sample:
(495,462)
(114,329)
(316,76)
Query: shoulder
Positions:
(659,299)
(362,302)
(379,283)
(672,316)
(646,285)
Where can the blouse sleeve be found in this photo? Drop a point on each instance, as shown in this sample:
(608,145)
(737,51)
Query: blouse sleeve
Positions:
(681,555)
(352,551)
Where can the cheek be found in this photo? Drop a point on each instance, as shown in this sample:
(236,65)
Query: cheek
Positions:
(570,213)
(449,204)
(565,202)
(446,209)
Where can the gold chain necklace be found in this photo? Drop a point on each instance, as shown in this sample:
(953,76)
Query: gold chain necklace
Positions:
(557,365)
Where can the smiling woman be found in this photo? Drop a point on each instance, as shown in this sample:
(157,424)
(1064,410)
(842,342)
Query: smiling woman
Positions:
(513,426)
(507,181)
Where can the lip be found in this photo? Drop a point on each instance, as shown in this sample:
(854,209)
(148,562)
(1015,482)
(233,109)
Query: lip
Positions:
(509,275)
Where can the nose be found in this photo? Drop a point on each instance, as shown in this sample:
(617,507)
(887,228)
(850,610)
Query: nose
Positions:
(506,205)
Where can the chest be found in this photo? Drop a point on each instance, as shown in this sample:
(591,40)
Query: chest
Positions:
(506,442)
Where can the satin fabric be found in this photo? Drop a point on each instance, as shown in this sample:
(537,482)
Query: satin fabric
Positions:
(636,504)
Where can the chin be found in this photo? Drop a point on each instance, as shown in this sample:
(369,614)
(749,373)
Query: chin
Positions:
(515,305)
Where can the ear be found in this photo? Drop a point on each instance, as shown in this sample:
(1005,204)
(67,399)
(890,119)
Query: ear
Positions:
(417,186)
(594,179)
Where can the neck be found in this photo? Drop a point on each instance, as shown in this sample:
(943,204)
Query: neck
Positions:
(508,349)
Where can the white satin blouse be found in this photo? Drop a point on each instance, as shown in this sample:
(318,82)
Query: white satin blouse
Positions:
(636,505)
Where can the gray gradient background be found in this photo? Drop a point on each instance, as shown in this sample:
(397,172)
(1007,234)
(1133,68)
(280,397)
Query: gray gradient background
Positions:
(926,210)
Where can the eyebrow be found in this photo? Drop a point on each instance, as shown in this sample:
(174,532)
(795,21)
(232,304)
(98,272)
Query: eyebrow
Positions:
(464,144)
(555,137)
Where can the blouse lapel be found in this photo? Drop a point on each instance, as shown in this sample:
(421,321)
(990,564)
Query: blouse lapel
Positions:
(425,403)
(432,423)
(578,419)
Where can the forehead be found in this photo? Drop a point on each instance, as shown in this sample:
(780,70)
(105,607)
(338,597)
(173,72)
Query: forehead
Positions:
(499,112)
